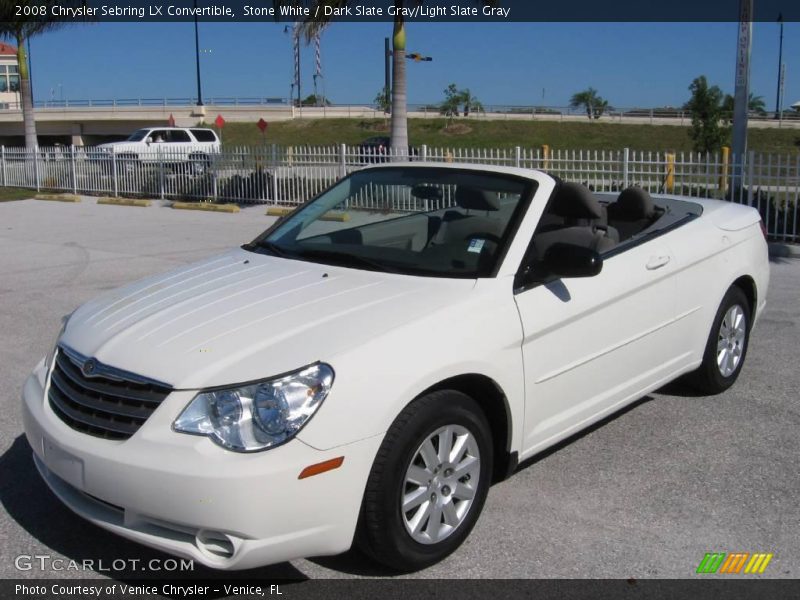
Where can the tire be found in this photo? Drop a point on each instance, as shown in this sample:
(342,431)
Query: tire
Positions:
(411,540)
(128,163)
(727,344)
(198,164)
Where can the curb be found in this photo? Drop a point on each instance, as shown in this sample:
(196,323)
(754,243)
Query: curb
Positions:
(207,206)
(123,202)
(57,197)
(280,211)
(784,250)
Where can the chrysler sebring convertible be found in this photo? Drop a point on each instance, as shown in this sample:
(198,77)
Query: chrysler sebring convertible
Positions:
(365,369)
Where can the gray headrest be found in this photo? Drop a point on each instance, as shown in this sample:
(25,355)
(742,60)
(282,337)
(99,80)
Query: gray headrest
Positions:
(634,204)
(475,199)
(575,201)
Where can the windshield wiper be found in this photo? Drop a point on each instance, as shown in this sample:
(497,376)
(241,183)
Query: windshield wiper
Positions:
(345,259)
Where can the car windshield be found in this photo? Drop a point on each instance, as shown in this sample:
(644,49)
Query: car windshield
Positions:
(137,136)
(441,222)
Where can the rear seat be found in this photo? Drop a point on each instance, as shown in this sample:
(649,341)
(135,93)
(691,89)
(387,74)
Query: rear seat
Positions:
(633,212)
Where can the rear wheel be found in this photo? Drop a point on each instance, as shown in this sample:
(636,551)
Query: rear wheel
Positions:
(199,163)
(726,347)
(429,482)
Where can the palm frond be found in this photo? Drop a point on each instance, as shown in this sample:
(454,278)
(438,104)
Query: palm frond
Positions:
(15,28)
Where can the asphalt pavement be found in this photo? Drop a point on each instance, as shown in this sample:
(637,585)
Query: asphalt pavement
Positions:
(644,494)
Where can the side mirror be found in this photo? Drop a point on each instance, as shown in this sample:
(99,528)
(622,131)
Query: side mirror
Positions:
(570,260)
(148,141)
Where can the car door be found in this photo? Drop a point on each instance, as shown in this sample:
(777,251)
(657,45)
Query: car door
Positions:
(179,144)
(592,344)
(156,144)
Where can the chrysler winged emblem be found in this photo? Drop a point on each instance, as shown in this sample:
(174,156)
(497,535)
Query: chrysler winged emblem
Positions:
(89,367)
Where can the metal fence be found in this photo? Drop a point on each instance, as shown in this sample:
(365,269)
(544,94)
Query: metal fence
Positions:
(291,175)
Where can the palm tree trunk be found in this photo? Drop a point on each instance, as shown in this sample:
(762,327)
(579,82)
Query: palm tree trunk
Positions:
(399,86)
(26,94)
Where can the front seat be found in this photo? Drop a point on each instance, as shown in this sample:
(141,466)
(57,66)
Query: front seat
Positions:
(633,212)
(458,226)
(582,217)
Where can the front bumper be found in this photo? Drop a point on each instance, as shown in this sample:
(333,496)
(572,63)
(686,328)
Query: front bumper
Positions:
(184,495)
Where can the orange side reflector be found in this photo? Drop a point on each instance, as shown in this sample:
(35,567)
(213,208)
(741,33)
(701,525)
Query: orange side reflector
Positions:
(328,465)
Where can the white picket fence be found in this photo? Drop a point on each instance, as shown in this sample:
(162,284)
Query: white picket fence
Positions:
(291,175)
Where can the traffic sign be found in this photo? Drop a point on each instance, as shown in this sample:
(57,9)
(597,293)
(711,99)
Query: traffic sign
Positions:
(262,125)
(219,121)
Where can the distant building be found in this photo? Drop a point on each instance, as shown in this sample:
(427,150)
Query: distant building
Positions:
(9,76)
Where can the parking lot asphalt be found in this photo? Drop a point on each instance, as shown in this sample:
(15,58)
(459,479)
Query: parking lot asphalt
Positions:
(644,494)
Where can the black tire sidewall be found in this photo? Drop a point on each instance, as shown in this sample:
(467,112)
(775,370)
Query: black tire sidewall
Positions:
(383,534)
(710,378)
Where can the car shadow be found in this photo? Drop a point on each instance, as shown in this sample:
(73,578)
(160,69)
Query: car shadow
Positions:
(28,501)
(354,562)
(527,463)
(681,388)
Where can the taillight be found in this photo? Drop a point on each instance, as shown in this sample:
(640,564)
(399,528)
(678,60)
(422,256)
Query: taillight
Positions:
(763,229)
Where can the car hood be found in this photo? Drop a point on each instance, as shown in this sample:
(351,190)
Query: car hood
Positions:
(112,144)
(243,316)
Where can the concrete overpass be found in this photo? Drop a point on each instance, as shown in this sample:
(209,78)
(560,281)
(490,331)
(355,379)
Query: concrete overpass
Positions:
(92,122)
(88,125)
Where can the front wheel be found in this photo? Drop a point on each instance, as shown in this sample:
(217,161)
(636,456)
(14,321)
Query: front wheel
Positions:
(726,347)
(428,483)
(128,164)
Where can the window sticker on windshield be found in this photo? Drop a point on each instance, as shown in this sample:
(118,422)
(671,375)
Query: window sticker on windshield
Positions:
(476,245)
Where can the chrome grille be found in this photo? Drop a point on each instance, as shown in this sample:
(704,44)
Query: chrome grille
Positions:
(110,404)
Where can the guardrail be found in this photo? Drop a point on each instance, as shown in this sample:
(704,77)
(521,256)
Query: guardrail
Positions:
(291,175)
(424,109)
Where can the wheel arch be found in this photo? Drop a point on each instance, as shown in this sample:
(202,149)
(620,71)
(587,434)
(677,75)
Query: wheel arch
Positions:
(748,285)
(494,403)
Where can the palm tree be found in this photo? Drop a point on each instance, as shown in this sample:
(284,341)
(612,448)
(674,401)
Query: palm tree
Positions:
(471,103)
(589,98)
(399,116)
(755,104)
(20,30)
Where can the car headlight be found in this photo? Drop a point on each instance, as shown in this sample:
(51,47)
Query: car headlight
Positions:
(260,415)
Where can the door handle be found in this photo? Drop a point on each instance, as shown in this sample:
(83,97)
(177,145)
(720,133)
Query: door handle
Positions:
(656,262)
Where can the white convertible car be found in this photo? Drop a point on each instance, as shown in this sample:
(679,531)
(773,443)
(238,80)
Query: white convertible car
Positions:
(366,368)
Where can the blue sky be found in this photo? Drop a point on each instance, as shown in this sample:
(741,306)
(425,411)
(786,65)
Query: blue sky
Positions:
(631,64)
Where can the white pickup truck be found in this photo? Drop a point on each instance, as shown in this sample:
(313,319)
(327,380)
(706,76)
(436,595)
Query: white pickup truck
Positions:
(192,145)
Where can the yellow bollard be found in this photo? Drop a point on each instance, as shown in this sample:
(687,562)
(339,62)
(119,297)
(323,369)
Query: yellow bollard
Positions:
(669,181)
(723,178)
(545,157)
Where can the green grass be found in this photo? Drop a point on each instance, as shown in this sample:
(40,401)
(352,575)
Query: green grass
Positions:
(8,194)
(499,134)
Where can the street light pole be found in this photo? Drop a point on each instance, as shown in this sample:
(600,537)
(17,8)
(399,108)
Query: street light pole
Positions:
(742,89)
(197,56)
(780,62)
